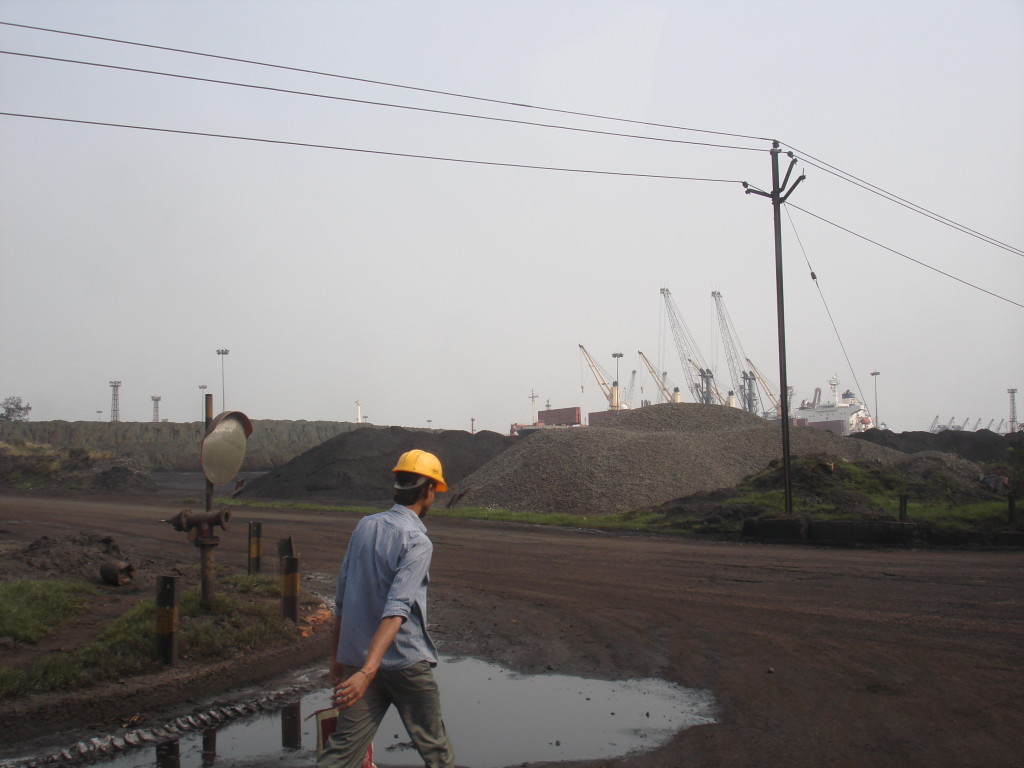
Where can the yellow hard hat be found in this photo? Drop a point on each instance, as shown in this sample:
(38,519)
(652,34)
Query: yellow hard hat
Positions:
(422,463)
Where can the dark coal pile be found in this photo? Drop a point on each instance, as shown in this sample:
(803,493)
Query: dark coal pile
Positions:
(76,556)
(44,469)
(356,466)
(643,458)
(982,447)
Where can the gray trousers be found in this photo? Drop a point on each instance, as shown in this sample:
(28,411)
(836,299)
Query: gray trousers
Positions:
(415,695)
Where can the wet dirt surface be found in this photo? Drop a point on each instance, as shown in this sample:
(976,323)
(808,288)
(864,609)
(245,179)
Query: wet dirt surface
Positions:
(836,657)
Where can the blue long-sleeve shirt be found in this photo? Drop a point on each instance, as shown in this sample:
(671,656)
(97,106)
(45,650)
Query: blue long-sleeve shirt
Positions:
(385,573)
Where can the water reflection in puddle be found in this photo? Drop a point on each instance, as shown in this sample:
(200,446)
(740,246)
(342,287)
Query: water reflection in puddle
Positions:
(496,718)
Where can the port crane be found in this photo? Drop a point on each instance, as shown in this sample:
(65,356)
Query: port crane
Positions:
(744,382)
(610,390)
(660,380)
(769,391)
(694,367)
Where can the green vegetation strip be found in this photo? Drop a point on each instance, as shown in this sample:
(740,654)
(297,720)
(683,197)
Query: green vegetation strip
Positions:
(30,610)
(238,621)
(873,488)
(625,521)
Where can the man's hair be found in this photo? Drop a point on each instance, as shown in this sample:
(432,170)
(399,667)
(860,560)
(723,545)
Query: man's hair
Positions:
(410,487)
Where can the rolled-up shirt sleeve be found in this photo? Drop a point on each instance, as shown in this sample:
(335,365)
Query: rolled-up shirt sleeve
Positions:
(412,574)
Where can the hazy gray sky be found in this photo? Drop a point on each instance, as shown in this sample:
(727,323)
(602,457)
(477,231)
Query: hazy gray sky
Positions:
(442,291)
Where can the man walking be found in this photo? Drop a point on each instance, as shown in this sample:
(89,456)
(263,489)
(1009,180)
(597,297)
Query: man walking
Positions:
(383,654)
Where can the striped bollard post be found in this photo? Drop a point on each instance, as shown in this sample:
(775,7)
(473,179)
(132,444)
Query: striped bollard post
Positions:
(290,588)
(255,546)
(167,619)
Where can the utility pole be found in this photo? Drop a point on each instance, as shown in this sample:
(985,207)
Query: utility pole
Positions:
(778,196)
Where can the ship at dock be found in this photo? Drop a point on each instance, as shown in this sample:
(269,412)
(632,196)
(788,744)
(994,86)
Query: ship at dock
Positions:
(840,415)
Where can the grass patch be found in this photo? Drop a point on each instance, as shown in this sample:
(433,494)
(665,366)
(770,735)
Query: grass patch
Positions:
(259,585)
(234,624)
(985,516)
(30,610)
(305,506)
(637,520)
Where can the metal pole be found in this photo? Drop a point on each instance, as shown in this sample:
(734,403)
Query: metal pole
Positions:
(209,757)
(206,563)
(255,546)
(781,312)
(207,573)
(209,418)
(291,726)
(167,619)
(290,588)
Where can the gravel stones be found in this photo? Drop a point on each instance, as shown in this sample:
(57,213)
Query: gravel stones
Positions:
(642,458)
(356,466)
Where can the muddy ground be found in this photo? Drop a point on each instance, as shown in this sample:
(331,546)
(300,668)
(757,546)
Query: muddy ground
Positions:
(815,656)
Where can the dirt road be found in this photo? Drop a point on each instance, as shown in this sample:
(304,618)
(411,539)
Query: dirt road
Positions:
(816,657)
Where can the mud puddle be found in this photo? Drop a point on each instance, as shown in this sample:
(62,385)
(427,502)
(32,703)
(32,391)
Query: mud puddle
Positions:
(495,717)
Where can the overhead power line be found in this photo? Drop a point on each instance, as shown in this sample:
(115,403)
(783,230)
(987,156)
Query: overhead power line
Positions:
(434,91)
(349,99)
(310,145)
(891,197)
(905,256)
(828,310)
(827,167)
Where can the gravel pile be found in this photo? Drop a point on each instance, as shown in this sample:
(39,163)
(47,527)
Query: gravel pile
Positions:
(356,466)
(642,458)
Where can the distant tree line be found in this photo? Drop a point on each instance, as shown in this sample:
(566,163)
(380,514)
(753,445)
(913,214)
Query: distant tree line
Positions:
(12,409)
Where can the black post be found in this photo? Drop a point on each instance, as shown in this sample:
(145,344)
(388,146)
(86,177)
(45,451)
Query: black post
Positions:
(209,758)
(209,419)
(781,312)
(778,197)
(903,509)
(167,619)
(168,754)
(206,560)
(290,588)
(255,546)
(291,726)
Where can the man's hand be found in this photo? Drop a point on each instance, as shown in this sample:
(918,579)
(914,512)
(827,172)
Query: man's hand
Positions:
(351,690)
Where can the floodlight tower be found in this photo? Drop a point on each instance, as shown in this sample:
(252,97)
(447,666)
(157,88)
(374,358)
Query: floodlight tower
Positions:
(115,401)
(1013,409)
(156,407)
(222,353)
